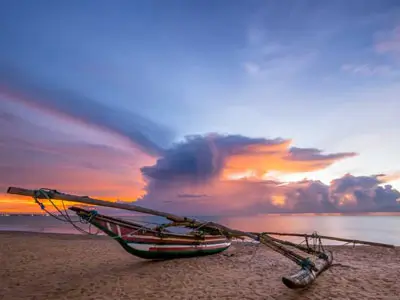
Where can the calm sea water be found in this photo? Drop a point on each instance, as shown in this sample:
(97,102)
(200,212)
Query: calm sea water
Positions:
(385,229)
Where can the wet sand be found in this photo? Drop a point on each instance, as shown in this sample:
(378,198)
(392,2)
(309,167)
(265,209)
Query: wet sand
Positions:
(54,266)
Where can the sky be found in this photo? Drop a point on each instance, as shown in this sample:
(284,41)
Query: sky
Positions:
(203,107)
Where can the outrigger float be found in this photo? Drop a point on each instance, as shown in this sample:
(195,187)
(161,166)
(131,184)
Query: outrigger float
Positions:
(203,238)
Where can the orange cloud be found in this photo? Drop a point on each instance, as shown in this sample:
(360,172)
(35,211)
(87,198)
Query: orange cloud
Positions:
(387,178)
(258,160)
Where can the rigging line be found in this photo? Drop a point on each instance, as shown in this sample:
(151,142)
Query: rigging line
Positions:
(307,249)
(298,259)
(66,218)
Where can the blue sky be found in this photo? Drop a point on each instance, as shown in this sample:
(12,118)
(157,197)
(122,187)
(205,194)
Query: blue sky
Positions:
(324,74)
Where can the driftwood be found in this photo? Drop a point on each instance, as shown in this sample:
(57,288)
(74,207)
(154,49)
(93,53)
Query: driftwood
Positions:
(309,270)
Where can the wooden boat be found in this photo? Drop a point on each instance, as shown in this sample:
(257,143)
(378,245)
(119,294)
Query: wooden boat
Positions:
(154,243)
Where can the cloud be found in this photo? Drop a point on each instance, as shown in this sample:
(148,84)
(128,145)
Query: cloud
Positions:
(385,43)
(192,195)
(388,42)
(32,156)
(242,197)
(202,175)
(228,169)
(368,69)
(271,55)
(279,64)
(147,135)
(252,68)
(363,193)
(201,158)
(312,154)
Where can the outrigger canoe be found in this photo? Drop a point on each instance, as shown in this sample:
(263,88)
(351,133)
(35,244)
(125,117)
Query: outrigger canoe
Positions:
(154,243)
(204,237)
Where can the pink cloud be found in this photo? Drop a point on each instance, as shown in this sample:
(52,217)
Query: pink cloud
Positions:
(389,42)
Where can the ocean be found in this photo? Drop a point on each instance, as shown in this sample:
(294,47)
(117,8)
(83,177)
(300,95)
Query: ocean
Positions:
(377,228)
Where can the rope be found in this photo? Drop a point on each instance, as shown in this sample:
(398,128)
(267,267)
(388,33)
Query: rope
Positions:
(65,216)
(296,258)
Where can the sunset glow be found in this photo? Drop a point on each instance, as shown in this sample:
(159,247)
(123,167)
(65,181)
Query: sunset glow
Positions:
(226,112)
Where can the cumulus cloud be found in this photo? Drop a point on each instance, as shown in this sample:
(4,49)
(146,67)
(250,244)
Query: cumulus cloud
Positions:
(240,197)
(202,169)
(195,177)
(202,158)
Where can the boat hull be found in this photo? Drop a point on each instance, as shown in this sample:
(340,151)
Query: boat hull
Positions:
(149,244)
(157,252)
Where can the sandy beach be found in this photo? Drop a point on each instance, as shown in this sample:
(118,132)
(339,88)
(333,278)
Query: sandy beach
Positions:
(55,266)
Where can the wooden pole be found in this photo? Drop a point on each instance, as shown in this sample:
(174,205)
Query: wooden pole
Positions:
(332,238)
(91,201)
(52,194)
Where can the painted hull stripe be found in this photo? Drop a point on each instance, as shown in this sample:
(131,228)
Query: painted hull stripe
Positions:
(180,246)
(152,247)
(182,249)
(171,241)
(217,238)
(170,244)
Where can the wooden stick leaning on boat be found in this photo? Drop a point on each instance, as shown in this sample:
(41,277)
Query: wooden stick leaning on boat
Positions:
(309,270)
